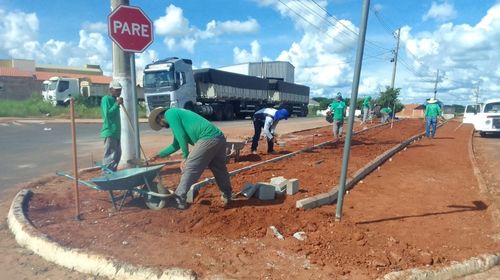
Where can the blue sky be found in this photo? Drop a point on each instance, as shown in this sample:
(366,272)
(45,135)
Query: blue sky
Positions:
(460,38)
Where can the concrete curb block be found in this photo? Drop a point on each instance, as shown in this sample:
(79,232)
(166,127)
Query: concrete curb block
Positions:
(331,196)
(468,267)
(26,235)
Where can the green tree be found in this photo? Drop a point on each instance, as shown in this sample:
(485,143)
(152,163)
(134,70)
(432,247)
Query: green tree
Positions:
(323,102)
(389,97)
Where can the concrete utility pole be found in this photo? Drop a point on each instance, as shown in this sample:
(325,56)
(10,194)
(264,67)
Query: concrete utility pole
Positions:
(436,84)
(122,73)
(352,106)
(394,75)
(395,60)
(476,94)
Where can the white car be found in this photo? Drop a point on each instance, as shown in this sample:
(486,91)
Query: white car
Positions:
(487,120)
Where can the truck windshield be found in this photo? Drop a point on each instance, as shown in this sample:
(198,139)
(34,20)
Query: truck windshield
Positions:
(492,107)
(52,85)
(159,79)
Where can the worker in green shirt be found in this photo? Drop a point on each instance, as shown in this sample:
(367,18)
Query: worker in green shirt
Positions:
(432,112)
(337,108)
(366,108)
(111,129)
(386,113)
(209,149)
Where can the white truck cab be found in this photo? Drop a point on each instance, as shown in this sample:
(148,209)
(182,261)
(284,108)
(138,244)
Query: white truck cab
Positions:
(485,117)
(58,90)
(169,83)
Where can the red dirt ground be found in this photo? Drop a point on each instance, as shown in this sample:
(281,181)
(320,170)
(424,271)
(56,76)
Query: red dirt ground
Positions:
(423,207)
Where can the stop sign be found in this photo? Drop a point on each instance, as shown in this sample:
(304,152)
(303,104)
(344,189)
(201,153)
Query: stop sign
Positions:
(130,28)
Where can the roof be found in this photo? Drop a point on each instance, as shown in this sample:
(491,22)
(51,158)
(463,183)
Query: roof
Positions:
(42,76)
(13,72)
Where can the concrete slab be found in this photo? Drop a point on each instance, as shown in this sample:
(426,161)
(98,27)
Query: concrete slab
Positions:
(266,191)
(292,186)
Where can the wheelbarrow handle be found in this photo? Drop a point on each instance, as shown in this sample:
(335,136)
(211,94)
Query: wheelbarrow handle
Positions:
(63,174)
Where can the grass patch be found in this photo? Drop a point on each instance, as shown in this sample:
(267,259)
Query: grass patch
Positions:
(35,107)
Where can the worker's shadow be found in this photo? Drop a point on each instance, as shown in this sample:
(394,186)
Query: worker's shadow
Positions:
(252,201)
(477,206)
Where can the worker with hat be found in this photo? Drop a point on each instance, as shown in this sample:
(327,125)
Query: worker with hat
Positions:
(432,112)
(111,128)
(338,109)
(209,149)
(267,119)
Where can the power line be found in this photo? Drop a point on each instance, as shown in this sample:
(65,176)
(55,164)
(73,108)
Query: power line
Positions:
(346,27)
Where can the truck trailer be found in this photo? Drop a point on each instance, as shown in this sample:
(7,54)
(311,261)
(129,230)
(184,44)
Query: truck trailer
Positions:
(218,94)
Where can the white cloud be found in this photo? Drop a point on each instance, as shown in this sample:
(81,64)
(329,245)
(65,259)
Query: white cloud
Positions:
(463,54)
(243,56)
(440,12)
(99,27)
(17,28)
(217,28)
(179,34)
(173,23)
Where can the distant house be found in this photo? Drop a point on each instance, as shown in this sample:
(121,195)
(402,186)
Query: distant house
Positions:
(313,103)
(21,78)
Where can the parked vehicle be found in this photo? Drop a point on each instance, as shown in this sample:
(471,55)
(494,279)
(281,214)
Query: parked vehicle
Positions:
(487,119)
(58,90)
(217,94)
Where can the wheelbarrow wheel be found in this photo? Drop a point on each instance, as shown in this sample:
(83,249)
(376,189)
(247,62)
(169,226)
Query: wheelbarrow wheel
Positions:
(155,202)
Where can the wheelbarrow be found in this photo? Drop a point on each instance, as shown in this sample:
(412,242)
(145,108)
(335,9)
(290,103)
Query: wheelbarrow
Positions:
(139,180)
(233,148)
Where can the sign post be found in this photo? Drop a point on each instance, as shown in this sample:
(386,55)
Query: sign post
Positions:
(131,31)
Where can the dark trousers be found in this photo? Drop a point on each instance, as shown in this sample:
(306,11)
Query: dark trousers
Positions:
(257,126)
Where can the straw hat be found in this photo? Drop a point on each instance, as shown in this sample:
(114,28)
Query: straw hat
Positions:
(432,100)
(153,116)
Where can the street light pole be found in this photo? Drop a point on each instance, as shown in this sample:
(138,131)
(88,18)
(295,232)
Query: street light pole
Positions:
(352,107)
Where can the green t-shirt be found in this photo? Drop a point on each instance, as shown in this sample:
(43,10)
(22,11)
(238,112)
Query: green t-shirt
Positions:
(432,110)
(386,110)
(338,108)
(110,112)
(187,128)
(366,102)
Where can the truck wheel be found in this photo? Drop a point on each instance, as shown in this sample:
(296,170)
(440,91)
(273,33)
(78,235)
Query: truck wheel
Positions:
(228,112)
(304,112)
(189,106)
(218,114)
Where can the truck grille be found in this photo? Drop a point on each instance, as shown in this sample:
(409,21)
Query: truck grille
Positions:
(496,123)
(155,101)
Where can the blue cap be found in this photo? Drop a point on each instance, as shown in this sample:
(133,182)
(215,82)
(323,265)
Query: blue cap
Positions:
(281,114)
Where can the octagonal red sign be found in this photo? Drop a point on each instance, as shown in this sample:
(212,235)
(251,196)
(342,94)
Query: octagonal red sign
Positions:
(130,28)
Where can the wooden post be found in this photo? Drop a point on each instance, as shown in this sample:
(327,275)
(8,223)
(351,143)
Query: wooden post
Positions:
(75,159)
